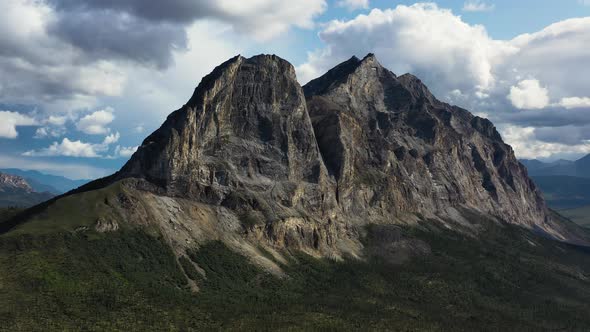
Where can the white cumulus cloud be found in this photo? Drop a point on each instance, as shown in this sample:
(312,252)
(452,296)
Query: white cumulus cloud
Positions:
(75,148)
(125,152)
(66,148)
(111,139)
(429,41)
(529,94)
(95,123)
(575,102)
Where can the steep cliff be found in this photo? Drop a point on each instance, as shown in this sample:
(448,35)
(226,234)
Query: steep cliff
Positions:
(394,148)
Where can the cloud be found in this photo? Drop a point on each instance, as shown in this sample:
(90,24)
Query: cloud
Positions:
(66,148)
(263,19)
(570,135)
(575,102)
(529,94)
(37,67)
(477,6)
(527,145)
(548,70)
(117,35)
(45,132)
(112,138)
(56,120)
(423,39)
(125,152)
(353,4)
(71,148)
(10,120)
(95,123)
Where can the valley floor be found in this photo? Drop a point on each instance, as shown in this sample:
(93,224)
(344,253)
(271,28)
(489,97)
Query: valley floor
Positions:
(129,280)
(579,215)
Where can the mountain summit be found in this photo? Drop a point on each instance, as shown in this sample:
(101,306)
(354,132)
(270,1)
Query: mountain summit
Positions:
(254,159)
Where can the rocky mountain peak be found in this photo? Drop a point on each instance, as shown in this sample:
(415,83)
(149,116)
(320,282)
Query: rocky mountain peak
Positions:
(245,126)
(12,182)
(255,159)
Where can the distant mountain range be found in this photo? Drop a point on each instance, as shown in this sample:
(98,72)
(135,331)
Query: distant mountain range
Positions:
(41,182)
(578,168)
(565,185)
(15,191)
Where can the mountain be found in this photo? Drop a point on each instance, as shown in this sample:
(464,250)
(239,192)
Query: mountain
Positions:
(311,164)
(358,201)
(578,168)
(46,183)
(15,191)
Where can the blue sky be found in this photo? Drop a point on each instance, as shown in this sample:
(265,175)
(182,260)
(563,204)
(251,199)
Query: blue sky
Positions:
(83,82)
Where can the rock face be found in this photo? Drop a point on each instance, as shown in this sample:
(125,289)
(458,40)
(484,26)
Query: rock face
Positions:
(12,182)
(394,148)
(245,142)
(256,160)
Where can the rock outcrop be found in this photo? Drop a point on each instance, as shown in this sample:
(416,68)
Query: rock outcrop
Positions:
(12,182)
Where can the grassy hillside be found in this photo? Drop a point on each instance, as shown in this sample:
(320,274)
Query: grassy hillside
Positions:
(22,199)
(8,212)
(129,280)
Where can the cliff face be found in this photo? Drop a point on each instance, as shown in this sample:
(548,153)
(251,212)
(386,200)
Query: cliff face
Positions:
(394,148)
(255,160)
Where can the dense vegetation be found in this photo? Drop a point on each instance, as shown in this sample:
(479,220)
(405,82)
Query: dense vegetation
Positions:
(130,280)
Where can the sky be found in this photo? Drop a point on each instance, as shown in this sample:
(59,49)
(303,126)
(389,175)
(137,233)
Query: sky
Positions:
(83,82)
